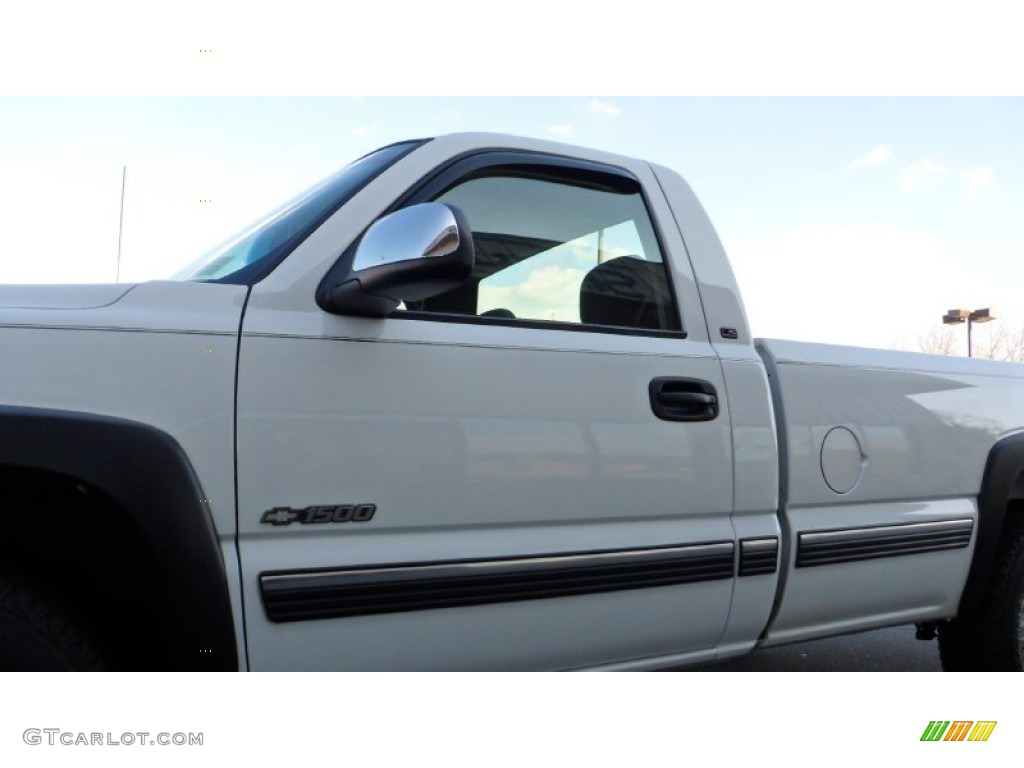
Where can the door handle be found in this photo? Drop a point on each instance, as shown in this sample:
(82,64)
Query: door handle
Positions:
(675,399)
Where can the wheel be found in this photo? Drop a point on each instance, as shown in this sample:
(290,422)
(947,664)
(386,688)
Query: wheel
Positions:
(991,639)
(35,637)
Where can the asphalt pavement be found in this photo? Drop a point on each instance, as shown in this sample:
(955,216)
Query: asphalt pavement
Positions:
(883,650)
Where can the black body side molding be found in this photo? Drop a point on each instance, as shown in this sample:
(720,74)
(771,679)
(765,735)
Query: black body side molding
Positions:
(847,545)
(395,588)
(147,474)
(1005,466)
(759,556)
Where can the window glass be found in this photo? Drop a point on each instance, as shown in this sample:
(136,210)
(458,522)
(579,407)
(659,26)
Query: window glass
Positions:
(256,249)
(553,251)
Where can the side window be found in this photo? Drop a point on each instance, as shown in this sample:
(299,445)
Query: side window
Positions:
(554,251)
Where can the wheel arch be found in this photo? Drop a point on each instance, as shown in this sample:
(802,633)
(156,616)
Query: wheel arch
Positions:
(1002,488)
(146,473)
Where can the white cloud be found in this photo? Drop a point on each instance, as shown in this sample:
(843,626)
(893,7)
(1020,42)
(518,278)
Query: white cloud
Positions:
(549,293)
(923,173)
(360,131)
(978,178)
(876,157)
(928,172)
(561,129)
(606,108)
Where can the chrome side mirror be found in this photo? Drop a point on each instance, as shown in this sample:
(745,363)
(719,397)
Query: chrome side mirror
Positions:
(409,255)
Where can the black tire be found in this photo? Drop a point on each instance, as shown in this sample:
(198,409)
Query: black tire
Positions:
(991,639)
(34,637)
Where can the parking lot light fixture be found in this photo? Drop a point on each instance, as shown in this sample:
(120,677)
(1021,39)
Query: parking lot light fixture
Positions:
(959,316)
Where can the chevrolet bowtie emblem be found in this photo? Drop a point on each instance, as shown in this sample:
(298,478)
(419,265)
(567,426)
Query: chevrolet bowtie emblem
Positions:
(279,516)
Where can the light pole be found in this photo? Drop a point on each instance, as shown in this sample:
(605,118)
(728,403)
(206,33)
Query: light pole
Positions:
(958,316)
(120,222)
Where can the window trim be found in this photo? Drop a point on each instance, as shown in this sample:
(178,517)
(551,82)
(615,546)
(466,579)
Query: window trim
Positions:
(545,325)
(542,167)
(534,165)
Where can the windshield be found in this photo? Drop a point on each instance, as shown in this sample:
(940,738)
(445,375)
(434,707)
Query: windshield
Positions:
(256,250)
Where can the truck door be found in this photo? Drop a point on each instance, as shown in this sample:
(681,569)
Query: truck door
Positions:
(531,471)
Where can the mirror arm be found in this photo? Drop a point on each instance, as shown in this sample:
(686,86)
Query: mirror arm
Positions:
(350,298)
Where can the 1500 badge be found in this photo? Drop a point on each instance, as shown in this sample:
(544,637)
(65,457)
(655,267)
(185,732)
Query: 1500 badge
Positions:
(336,513)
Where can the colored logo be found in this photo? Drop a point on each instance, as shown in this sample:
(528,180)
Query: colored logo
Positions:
(958,730)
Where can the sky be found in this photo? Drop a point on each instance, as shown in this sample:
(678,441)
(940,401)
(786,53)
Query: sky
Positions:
(847,220)
(859,192)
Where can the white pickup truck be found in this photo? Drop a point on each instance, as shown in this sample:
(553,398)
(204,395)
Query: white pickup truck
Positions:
(485,402)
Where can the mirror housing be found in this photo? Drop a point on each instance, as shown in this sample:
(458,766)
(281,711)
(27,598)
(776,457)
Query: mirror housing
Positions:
(409,255)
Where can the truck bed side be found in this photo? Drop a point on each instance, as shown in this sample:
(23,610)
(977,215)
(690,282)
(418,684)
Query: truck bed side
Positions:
(883,456)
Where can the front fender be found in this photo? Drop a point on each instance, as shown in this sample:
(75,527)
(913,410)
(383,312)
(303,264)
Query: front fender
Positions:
(146,472)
